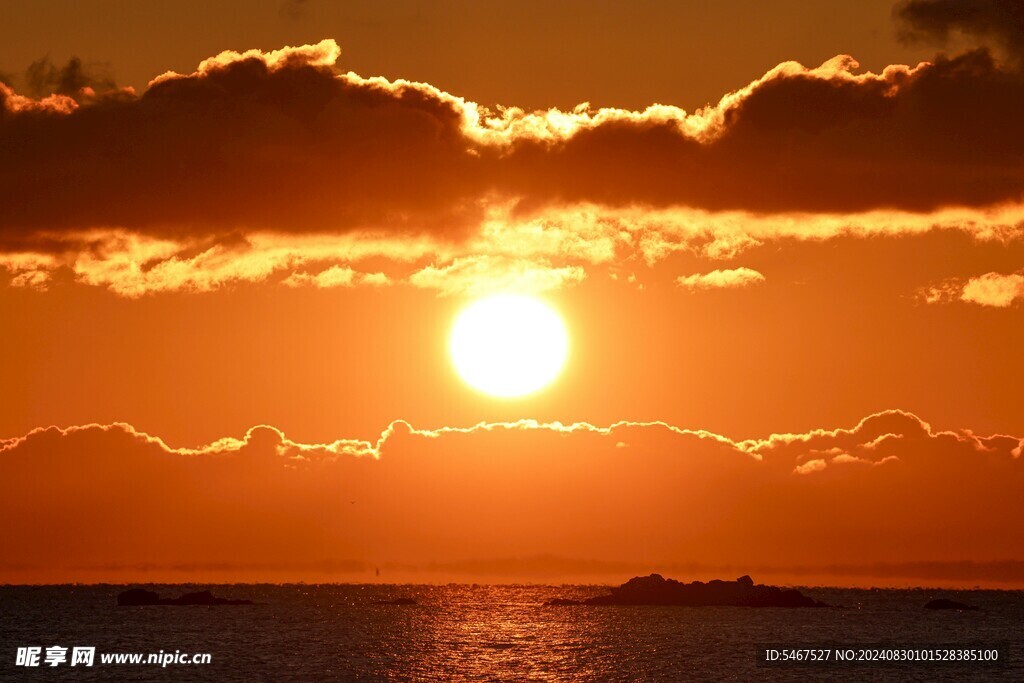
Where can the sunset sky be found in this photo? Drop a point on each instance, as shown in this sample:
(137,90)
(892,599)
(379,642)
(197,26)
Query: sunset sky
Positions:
(785,240)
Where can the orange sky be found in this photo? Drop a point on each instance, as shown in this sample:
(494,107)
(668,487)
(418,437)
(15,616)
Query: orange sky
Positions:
(268,238)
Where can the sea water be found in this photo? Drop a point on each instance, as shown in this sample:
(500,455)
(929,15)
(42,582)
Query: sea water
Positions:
(485,632)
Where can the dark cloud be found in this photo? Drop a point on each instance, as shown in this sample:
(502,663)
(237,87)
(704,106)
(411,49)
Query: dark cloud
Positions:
(282,142)
(940,135)
(43,78)
(293,149)
(987,21)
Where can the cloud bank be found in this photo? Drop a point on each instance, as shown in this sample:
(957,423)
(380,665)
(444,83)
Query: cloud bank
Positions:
(184,186)
(108,502)
(281,141)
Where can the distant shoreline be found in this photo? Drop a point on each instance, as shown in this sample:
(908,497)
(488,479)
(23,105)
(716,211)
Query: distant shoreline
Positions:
(470,584)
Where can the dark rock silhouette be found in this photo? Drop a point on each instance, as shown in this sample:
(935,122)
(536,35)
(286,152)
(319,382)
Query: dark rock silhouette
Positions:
(943,603)
(657,590)
(396,601)
(136,597)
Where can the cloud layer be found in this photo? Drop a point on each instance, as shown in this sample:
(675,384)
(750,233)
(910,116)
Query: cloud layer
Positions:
(281,141)
(184,185)
(107,501)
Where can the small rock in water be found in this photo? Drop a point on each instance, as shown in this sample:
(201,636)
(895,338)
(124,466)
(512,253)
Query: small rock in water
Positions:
(943,603)
(657,590)
(140,597)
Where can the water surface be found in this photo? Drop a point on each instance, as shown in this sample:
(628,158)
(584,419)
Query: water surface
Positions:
(470,632)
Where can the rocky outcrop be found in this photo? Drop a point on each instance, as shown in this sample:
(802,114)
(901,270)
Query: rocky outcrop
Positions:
(943,603)
(140,597)
(657,590)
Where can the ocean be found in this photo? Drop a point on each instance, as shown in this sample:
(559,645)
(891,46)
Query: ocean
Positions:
(491,633)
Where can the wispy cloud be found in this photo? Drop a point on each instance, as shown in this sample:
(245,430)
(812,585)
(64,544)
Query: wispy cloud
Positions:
(995,290)
(721,279)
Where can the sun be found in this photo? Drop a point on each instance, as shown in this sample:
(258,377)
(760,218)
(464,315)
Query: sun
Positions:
(509,345)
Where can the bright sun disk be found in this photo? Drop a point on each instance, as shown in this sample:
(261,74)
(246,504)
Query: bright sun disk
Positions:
(509,345)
